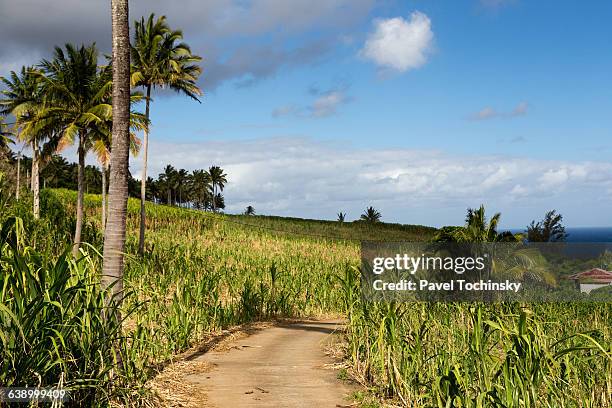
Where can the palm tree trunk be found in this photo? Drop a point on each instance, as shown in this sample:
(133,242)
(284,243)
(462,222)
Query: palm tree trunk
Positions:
(103,197)
(80,195)
(31,177)
(18,176)
(36,179)
(143,179)
(214,204)
(114,236)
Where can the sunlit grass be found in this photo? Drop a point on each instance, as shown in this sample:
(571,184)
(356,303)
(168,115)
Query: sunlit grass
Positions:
(202,273)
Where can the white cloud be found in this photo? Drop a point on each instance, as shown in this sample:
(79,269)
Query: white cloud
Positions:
(324,105)
(305,178)
(491,113)
(400,44)
(327,104)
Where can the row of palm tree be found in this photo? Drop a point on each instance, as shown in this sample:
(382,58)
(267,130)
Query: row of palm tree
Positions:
(200,189)
(63,101)
(174,187)
(67,100)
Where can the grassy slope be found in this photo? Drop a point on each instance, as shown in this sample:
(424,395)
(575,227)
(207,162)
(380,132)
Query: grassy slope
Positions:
(299,227)
(202,272)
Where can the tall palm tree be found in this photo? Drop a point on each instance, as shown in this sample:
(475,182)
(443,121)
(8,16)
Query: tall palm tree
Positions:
(218,179)
(371,215)
(77,92)
(23,98)
(114,235)
(160,59)
(79,106)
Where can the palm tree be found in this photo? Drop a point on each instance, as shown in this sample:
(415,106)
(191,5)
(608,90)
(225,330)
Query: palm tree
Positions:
(341,217)
(160,59)
(218,179)
(23,98)
(167,179)
(101,148)
(114,235)
(478,229)
(101,144)
(371,215)
(508,259)
(77,93)
(201,188)
(250,210)
(79,106)
(181,179)
(550,229)
(219,201)
(57,171)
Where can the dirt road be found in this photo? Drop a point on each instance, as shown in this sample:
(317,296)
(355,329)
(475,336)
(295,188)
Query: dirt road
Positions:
(282,366)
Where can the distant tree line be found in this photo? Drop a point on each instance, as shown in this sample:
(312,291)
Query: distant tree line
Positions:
(199,189)
(478,228)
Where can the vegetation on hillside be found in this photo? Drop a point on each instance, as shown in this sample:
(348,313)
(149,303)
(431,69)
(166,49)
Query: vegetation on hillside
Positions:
(202,272)
(199,274)
(103,325)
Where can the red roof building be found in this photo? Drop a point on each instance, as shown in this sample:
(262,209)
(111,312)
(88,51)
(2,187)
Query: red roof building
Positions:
(592,279)
(595,275)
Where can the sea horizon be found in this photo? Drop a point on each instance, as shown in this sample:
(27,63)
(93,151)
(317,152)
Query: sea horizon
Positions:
(580,234)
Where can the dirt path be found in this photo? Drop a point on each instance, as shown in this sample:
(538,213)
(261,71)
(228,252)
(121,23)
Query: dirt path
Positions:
(282,366)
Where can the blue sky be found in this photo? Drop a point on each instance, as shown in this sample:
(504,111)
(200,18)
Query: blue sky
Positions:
(422,108)
(554,58)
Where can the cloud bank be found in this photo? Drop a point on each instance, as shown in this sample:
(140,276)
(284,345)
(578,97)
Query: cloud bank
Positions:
(306,178)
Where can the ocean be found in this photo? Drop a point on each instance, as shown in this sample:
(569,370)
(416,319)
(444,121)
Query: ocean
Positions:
(600,234)
(585,234)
